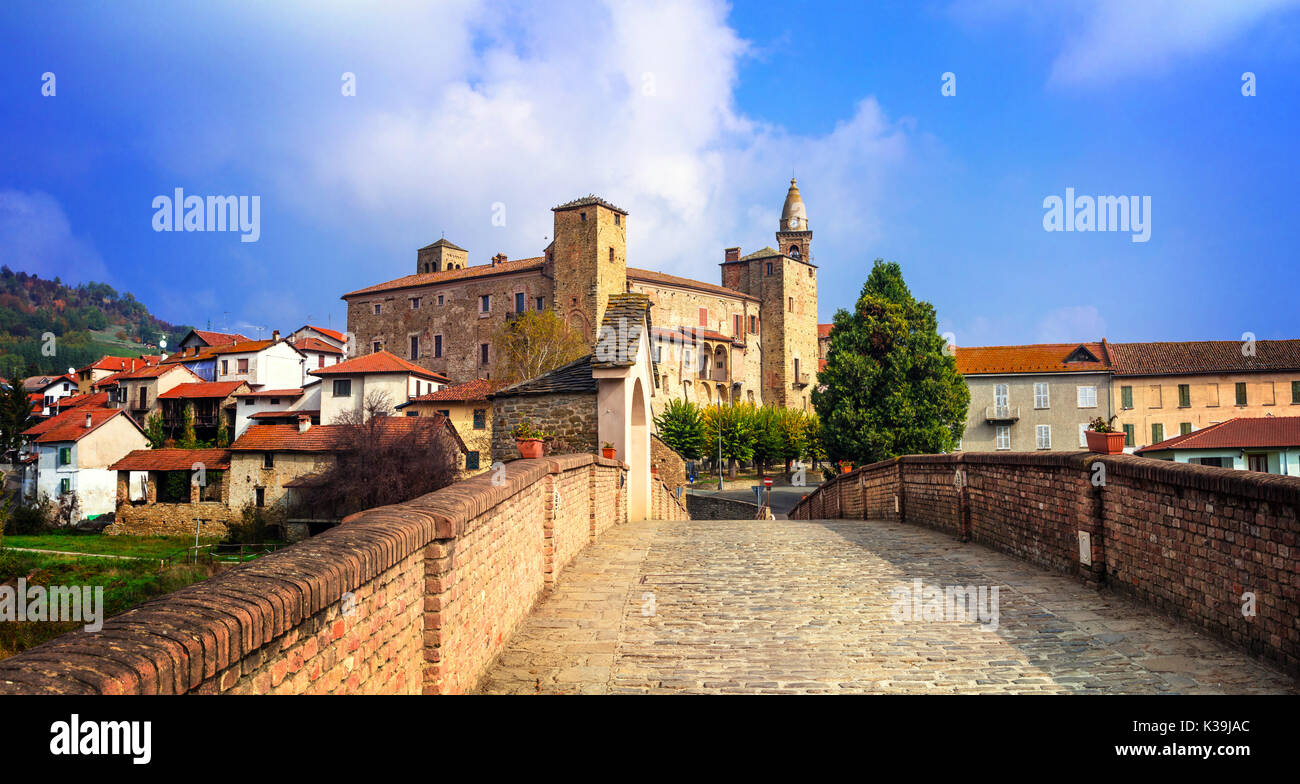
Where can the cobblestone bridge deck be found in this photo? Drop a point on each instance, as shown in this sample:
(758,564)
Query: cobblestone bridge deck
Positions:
(790,606)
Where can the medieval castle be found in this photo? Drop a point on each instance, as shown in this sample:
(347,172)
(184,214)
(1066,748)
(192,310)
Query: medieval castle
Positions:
(753,338)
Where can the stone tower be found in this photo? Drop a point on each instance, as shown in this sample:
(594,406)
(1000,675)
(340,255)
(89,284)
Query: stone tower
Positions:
(441,255)
(588,260)
(785,282)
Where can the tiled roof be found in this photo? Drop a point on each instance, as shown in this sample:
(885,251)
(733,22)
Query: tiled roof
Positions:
(443,243)
(246,347)
(317,345)
(824,330)
(626,317)
(574,377)
(271,393)
(766,252)
(153,371)
(381,362)
(39,383)
(588,201)
(448,276)
(291,413)
(322,438)
(52,422)
(202,389)
(1039,358)
(691,335)
(218,338)
(478,389)
(333,333)
(71,425)
(1242,432)
(664,279)
(119,364)
(97,399)
(1203,356)
(173,460)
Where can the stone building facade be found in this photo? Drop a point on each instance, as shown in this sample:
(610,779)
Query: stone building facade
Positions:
(752,338)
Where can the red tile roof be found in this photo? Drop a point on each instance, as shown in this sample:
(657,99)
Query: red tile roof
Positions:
(244,347)
(271,393)
(317,345)
(97,399)
(291,413)
(151,372)
(119,364)
(450,276)
(219,338)
(1040,358)
(689,335)
(664,279)
(173,460)
(202,389)
(333,333)
(824,330)
(478,389)
(1241,432)
(1204,356)
(72,424)
(381,362)
(320,438)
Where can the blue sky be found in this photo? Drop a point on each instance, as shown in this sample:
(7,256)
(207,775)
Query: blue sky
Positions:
(690,115)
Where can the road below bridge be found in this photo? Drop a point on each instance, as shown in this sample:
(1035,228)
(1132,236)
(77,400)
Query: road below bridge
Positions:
(788,606)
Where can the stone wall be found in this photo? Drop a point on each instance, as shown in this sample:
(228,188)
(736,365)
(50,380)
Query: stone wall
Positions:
(415,597)
(667,503)
(669,465)
(572,420)
(712,507)
(154,519)
(1195,541)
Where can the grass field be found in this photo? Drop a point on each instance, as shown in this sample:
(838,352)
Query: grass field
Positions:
(126,584)
(79,542)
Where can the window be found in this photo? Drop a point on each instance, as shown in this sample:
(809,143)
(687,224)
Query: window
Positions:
(268,460)
(248,401)
(1295,393)
(415,303)
(275,401)
(769,268)
(483,353)
(1043,436)
(1126,397)
(1184,395)
(65,455)
(737,325)
(65,486)
(261,497)
(519,302)
(320,360)
(471,461)
(1157,433)
(1184,428)
(753,328)
(790,304)
(446,414)
(342,387)
(1083,438)
(704,317)
(1003,437)
(611,252)
(1128,435)
(485,303)
(541,303)
(225,367)
(437,346)
(583,216)
(376,347)
(1001,400)
(1087,397)
(440,299)
(1241,393)
(480,418)
(415,347)
(1213,461)
(1041,398)
(378,308)
(242,365)
(796,369)
(618,219)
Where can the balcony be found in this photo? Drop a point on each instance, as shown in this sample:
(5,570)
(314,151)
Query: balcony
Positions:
(1001,414)
(800,380)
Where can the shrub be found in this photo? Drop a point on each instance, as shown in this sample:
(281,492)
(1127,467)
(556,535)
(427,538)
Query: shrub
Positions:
(253,527)
(34,518)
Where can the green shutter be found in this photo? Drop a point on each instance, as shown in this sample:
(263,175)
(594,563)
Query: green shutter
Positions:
(1128,435)
(1184,428)
(1295,391)
(1184,395)
(1126,397)
(1241,393)
(1157,433)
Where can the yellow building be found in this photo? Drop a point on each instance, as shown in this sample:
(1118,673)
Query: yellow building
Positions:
(466,405)
(1162,390)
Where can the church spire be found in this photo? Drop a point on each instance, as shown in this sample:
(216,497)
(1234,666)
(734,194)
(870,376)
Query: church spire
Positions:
(793,235)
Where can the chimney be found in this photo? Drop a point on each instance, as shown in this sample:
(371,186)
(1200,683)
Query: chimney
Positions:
(732,254)
(304,423)
(89,420)
(275,334)
(498,259)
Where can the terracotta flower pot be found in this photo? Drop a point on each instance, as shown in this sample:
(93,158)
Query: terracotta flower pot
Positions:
(530,448)
(607,451)
(1105,443)
(845,468)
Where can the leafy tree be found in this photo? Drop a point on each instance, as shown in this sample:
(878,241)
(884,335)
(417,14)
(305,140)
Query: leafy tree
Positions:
(154,431)
(15,416)
(681,426)
(889,387)
(223,433)
(189,439)
(734,424)
(768,440)
(534,342)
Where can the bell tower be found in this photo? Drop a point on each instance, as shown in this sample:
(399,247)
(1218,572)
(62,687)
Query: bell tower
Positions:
(793,237)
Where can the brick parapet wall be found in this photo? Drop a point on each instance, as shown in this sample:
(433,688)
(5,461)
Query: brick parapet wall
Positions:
(1190,540)
(410,598)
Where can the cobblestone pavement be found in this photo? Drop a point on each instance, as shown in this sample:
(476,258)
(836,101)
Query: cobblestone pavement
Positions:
(806,607)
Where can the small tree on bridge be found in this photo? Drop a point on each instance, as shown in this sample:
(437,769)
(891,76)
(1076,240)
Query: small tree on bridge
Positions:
(890,387)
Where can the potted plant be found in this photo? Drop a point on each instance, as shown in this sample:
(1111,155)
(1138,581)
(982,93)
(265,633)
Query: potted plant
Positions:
(607,450)
(845,466)
(1103,438)
(529,440)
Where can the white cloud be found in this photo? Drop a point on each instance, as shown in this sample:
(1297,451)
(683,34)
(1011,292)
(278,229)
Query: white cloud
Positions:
(37,238)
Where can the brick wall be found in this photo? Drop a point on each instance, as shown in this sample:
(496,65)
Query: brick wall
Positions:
(665,503)
(416,597)
(1190,540)
(712,507)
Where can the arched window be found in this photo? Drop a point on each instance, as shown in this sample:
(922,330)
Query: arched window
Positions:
(794,251)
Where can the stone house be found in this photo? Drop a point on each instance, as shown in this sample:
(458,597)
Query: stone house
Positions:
(1035,397)
(467,407)
(213,405)
(758,326)
(102,368)
(75,450)
(348,384)
(137,391)
(173,492)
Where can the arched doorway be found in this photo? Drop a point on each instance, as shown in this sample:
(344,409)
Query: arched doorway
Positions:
(638,456)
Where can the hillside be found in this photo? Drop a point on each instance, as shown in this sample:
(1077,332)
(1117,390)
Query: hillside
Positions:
(89,320)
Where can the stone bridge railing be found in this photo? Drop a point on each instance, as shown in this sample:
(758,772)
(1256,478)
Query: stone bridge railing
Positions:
(1195,541)
(417,597)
